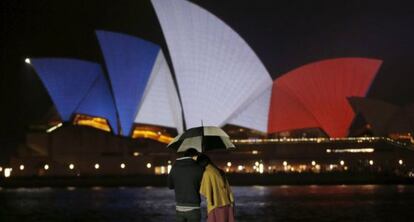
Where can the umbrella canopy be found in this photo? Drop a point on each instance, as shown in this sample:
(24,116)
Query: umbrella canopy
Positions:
(202,139)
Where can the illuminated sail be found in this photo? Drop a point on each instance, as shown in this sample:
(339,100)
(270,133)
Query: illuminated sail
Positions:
(323,88)
(160,103)
(216,70)
(255,115)
(129,61)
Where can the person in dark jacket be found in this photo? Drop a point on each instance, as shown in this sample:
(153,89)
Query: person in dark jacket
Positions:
(185,178)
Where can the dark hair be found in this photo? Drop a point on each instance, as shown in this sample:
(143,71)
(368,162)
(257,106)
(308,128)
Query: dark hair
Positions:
(190,152)
(203,160)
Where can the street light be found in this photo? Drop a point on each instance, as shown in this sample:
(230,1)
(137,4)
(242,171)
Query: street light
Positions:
(46,167)
(21,167)
(123,165)
(97,166)
(342,162)
(27,60)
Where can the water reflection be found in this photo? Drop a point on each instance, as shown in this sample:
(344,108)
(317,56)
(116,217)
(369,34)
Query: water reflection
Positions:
(257,203)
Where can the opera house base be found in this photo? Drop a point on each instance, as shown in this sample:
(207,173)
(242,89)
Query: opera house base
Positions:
(235,180)
(83,156)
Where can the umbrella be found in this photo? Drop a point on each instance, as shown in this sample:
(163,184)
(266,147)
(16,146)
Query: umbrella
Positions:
(203,138)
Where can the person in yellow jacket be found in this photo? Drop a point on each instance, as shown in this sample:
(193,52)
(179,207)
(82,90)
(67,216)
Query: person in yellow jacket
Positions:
(217,192)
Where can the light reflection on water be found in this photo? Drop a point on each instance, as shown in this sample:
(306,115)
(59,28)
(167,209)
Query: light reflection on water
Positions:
(256,203)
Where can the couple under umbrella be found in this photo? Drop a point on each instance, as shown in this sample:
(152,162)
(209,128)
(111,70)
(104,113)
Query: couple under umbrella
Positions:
(193,173)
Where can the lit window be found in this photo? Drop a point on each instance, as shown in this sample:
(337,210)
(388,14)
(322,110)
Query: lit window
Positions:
(371,162)
(255,152)
(7,172)
(1,169)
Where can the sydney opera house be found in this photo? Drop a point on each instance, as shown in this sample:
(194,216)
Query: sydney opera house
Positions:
(116,118)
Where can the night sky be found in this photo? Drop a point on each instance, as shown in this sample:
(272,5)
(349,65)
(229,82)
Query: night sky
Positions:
(285,34)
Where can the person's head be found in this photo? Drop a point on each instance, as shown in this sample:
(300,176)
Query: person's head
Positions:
(191,152)
(203,160)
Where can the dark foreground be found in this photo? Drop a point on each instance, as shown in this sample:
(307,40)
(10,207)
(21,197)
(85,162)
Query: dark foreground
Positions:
(254,203)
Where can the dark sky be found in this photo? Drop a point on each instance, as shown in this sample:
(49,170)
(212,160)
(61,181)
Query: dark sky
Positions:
(284,33)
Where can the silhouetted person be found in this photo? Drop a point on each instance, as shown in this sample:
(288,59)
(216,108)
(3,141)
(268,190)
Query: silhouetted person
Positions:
(185,178)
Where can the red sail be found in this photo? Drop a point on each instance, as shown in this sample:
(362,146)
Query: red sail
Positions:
(322,88)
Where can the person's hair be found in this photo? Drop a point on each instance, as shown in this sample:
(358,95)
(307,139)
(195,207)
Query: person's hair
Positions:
(190,152)
(203,160)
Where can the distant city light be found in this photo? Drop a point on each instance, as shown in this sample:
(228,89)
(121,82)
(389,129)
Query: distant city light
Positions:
(261,168)
(371,162)
(21,167)
(123,165)
(149,165)
(71,166)
(240,168)
(285,163)
(135,154)
(254,152)
(229,164)
(53,128)
(313,163)
(345,168)
(256,163)
(46,167)
(7,172)
(342,162)
(162,169)
(401,162)
(97,166)
(1,169)
(27,60)
(351,150)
